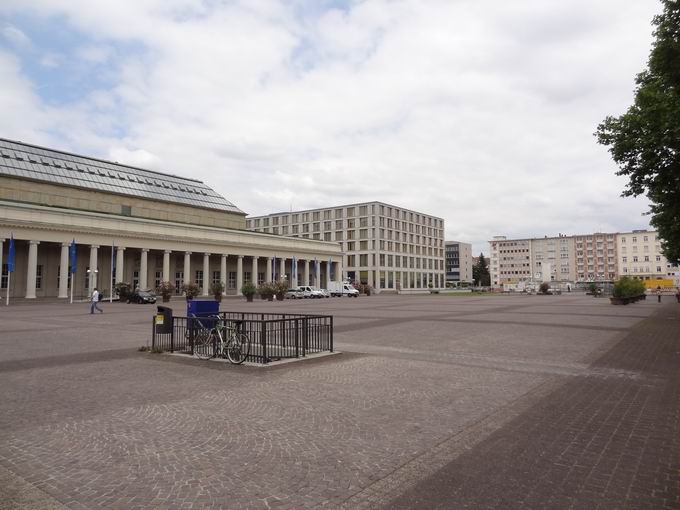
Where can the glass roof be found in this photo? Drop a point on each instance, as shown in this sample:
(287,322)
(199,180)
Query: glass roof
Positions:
(37,163)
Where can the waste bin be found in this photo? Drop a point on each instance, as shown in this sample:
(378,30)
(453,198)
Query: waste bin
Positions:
(163,320)
(197,308)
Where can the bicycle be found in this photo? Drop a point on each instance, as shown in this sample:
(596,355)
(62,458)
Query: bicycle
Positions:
(220,340)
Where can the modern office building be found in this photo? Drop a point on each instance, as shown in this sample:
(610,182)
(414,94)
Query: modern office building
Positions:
(385,246)
(458,263)
(132,225)
(580,259)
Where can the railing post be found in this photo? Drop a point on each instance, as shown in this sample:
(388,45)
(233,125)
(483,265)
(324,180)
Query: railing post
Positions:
(331,333)
(305,336)
(263,340)
(172,335)
(153,331)
(191,324)
(297,338)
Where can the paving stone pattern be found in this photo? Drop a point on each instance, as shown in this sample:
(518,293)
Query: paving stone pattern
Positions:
(424,384)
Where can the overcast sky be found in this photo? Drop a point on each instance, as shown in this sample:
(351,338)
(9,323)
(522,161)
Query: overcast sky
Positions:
(480,112)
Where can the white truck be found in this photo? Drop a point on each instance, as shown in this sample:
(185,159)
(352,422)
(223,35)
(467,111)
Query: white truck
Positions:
(342,289)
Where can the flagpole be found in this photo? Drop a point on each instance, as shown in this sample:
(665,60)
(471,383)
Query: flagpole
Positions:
(9,280)
(72,287)
(111,282)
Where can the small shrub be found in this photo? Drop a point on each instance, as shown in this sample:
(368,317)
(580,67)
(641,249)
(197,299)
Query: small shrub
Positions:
(628,287)
(265,290)
(248,289)
(165,289)
(544,288)
(190,290)
(144,348)
(156,350)
(216,289)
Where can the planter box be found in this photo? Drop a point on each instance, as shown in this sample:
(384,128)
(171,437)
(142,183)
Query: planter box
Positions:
(619,300)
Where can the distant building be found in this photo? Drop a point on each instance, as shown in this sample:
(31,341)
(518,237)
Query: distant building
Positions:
(385,246)
(597,257)
(458,262)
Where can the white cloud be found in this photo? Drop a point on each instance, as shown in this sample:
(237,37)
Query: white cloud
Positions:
(479,112)
(15,37)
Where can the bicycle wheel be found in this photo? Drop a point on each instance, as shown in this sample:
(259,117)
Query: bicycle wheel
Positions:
(238,348)
(204,345)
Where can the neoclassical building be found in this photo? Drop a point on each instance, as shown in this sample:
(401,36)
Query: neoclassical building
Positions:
(133,225)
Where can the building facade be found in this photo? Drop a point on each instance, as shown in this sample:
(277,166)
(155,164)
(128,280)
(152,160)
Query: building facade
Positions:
(385,246)
(580,259)
(458,263)
(132,225)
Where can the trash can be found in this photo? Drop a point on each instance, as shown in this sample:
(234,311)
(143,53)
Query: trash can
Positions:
(197,308)
(163,320)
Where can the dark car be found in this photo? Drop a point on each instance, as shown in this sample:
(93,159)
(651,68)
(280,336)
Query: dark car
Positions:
(142,297)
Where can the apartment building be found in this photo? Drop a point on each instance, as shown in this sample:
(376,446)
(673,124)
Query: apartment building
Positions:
(458,263)
(640,256)
(385,246)
(579,259)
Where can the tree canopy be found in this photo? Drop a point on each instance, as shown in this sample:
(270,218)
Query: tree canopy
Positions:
(480,272)
(645,141)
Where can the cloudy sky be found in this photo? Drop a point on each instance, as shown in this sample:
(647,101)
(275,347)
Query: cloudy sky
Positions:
(480,112)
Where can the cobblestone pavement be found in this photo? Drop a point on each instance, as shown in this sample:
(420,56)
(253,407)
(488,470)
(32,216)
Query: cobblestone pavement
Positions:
(424,384)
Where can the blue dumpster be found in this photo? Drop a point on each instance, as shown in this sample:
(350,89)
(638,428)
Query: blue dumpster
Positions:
(202,308)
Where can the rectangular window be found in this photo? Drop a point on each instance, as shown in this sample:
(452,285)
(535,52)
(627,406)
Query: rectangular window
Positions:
(159,276)
(260,278)
(179,281)
(38,276)
(231,283)
(5,274)
(363,260)
(199,278)
(215,276)
(246,276)
(87,278)
(135,280)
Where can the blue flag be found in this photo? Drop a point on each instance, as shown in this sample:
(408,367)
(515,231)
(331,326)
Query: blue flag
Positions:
(10,257)
(330,268)
(113,257)
(293,271)
(274,270)
(72,257)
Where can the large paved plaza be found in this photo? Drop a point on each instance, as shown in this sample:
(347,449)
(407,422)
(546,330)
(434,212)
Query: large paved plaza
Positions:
(435,402)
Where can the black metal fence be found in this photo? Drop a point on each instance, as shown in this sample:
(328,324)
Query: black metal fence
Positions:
(273,336)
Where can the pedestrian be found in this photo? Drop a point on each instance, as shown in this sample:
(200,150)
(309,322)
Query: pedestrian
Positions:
(677,294)
(658,293)
(95,300)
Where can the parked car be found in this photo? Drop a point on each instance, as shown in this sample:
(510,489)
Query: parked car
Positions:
(142,297)
(294,293)
(310,292)
(324,292)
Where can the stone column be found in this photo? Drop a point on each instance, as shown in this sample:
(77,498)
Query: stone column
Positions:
(253,276)
(282,271)
(239,275)
(143,283)
(223,273)
(93,267)
(268,274)
(63,270)
(187,267)
(329,266)
(31,269)
(317,276)
(120,264)
(206,274)
(306,272)
(166,265)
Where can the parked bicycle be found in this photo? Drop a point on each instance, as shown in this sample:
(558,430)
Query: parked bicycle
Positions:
(219,340)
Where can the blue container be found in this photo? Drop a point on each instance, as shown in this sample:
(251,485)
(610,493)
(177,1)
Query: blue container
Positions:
(202,308)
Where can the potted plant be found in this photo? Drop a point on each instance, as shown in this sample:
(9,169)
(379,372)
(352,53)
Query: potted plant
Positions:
(248,290)
(266,291)
(544,288)
(165,289)
(123,289)
(280,289)
(216,289)
(627,290)
(190,290)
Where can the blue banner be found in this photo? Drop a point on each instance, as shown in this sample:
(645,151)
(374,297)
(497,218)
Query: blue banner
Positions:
(113,258)
(72,257)
(11,255)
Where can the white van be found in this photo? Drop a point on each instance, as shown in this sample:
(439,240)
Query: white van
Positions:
(342,289)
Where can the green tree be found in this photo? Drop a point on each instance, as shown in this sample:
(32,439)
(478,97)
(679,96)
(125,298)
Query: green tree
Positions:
(645,141)
(480,272)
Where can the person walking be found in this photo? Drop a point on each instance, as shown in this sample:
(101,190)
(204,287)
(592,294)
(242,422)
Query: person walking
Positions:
(658,293)
(95,300)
